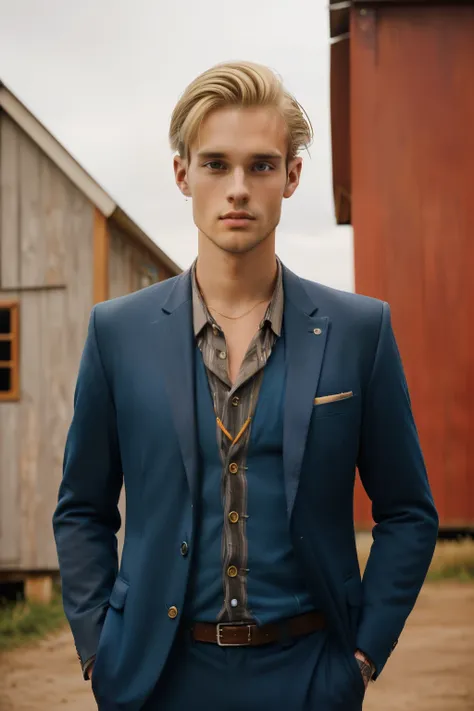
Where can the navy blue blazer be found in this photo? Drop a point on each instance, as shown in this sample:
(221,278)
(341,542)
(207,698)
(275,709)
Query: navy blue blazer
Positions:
(134,420)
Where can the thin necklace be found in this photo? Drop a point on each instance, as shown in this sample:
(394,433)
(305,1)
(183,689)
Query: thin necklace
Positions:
(235,318)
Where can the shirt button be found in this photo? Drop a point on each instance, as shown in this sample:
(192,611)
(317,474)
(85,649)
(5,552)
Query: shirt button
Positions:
(235,401)
(232,571)
(234,602)
(172,612)
(222,355)
(184,548)
(233,517)
(215,330)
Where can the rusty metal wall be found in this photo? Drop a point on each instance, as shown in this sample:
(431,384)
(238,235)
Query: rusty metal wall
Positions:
(412,136)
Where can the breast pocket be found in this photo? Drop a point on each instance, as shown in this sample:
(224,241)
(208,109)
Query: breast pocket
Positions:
(343,404)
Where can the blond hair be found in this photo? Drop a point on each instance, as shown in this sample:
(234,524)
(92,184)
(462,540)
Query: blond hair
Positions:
(241,84)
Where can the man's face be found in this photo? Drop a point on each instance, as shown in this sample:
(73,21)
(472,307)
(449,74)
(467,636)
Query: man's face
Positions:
(238,165)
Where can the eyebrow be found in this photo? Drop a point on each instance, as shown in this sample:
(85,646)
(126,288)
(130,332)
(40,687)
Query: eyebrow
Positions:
(217,155)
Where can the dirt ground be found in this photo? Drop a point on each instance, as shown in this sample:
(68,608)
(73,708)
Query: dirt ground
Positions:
(432,669)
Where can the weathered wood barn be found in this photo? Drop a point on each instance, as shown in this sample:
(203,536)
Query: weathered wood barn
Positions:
(64,245)
(402,115)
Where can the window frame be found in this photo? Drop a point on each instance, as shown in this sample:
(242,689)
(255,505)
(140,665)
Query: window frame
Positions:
(14,363)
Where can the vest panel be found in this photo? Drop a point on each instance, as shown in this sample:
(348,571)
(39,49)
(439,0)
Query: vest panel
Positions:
(275,587)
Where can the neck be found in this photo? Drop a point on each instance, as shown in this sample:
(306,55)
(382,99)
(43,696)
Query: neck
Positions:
(230,282)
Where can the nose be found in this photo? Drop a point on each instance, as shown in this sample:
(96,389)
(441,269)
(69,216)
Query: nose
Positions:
(237,192)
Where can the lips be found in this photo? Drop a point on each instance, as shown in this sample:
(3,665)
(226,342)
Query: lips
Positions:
(237,216)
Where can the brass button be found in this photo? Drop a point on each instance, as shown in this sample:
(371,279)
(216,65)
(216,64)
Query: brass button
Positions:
(235,401)
(233,517)
(233,468)
(232,571)
(172,612)
(317,332)
(184,548)
(222,355)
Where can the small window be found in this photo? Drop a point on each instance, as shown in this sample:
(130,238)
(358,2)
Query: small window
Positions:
(9,352)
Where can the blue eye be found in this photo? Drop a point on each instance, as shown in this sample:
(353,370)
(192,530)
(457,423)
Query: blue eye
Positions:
(265,165)
(214,165)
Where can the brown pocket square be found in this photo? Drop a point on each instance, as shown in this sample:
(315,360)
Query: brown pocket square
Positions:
(325,399)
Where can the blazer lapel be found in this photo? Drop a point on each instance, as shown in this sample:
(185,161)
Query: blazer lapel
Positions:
(305,342)
(176,348)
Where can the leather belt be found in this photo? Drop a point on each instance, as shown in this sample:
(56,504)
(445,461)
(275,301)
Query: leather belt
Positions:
(231,634)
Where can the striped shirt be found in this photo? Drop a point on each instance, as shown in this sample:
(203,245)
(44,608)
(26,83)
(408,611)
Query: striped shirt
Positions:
(234,407)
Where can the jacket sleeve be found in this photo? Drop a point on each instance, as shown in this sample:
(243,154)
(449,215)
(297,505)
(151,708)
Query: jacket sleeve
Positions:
(393,473)
(87,518)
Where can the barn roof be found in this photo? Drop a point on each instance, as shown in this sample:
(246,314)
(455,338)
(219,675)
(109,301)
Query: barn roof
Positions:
(76,173)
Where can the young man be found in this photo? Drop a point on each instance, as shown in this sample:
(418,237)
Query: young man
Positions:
(236,400)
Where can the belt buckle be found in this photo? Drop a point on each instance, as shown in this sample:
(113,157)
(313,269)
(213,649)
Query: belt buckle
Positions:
(219,627)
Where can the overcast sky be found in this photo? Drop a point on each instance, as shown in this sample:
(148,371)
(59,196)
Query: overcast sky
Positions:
(104,76)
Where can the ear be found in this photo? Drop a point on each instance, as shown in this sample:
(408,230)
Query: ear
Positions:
(293,177)
(180,166)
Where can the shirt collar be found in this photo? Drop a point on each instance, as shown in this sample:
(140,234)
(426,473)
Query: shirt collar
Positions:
(273,314)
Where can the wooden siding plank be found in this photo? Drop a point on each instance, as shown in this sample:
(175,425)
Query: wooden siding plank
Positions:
(32,243)
(101,257)
(9,202)
(30,426)
(53,412)
(118,281)
(78,238)
(9,485)
(54,216)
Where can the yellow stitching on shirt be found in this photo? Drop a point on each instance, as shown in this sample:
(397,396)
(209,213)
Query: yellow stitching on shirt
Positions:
(227,433)
(244,427)
(221,426)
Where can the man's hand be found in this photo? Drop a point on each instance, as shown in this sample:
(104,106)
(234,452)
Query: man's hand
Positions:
(366,667)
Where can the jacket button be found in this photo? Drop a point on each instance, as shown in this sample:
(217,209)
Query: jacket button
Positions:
(233,468)
(172,612)
(184,548)
(232,571)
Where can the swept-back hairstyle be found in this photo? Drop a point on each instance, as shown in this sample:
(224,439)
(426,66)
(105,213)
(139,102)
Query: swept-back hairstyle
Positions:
(240,84)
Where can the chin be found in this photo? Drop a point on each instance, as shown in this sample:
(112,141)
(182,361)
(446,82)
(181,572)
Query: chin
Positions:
(234,240)
(237,242)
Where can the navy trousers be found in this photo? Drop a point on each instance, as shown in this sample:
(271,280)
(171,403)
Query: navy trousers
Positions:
(311,673)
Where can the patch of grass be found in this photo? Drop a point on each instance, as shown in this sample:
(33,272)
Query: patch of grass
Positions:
(452,560)
(23,622)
